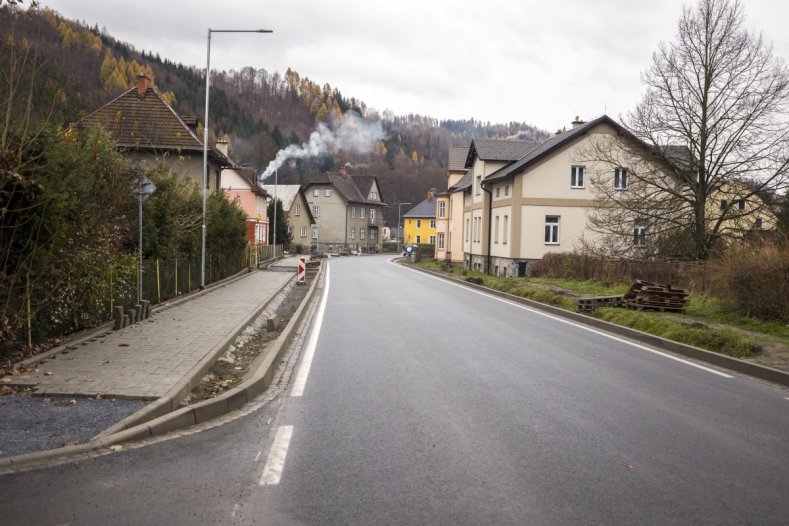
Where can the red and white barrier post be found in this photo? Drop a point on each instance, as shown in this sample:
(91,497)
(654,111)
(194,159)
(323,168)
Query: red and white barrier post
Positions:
(301,276)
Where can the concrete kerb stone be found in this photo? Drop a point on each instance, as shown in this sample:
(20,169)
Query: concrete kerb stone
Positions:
(183,417)
(728,362)
(108,326)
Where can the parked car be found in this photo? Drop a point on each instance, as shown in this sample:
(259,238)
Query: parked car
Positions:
(409,249)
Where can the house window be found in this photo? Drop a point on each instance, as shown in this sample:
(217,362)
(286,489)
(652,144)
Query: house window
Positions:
(498,189)
(298,210)
(353,233)
(432,240)
(741,204)
(640,234)
(551,230)
(353,212)
(361,213)
(724,204)
(315,232)
(361,233)
(467,230)
(316,192)
(507,190)
(290,230)
(620,178)
(304,231)
(505,232)
(418,239)
(373,234)
(757,223)
(478,184)
(441,241)
(442,208)
(372,215)
(496,231)
(577,177)
(316,210)
(432,223)
(328,192)
(419,223)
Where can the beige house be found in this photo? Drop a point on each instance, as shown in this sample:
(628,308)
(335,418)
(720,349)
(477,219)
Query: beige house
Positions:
(148,129)
(449,207)
(348,212)
(297,210)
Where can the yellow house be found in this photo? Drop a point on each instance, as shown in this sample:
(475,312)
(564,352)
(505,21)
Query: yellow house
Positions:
(419,223)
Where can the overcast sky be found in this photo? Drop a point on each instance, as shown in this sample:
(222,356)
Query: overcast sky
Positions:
(542,62)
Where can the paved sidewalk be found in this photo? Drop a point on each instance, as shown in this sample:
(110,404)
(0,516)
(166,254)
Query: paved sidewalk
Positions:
(146,360)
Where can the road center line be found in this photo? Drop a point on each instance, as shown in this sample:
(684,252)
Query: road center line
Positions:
(584,327)
(272,471)
(306,362)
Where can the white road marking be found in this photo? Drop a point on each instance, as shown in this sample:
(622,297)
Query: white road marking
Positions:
(301,377)
(272,471)
(584,327)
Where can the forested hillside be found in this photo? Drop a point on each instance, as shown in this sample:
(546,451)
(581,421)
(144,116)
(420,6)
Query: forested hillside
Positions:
(258,111)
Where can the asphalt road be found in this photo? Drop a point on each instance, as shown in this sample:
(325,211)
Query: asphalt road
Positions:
(430,403)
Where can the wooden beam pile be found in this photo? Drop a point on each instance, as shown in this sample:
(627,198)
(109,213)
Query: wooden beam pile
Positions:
(644,295)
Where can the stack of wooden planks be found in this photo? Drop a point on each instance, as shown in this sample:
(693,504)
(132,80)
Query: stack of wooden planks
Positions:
(644,295)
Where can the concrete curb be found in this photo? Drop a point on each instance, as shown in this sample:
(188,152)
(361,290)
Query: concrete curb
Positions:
(160,420)
(89,334)
(721,360)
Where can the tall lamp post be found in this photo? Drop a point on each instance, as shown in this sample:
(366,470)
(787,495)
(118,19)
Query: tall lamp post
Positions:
(205,134)
(400,234)
(142,189)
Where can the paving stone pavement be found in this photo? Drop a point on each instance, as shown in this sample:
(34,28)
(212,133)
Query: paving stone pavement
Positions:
(147,359)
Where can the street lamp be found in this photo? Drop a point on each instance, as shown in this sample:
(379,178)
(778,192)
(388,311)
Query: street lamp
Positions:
(142,188)
(400,233)
(205,134)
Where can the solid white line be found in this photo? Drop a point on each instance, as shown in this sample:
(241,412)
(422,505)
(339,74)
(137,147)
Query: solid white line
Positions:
(272,471)
(584,327)
(306,362)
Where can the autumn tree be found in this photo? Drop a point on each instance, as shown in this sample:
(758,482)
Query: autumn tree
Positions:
(709,137)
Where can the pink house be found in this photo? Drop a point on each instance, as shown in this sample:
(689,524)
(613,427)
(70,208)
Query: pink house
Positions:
(240,185)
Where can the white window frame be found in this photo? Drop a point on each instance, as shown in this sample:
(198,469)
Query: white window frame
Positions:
(620,178)
(496,230)
(298,210)
(361,233)
(577,174)
(372,215)
(505,231)
(640,234)
(353,212)
(327,193)
(441,241)
(353,232)
(432,223)
(304,231)
(552,230)
(373,234)
(361,213)
(432,240)
(315,232)
(316,211)
(316,192)
(442,209)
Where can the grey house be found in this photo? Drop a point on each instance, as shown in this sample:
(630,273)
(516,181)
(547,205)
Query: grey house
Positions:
(348,212)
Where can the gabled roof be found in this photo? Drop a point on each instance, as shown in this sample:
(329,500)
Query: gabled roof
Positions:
(352,188)
(287,194)
(457,158)
(249,176)
(497,150)
(549,145)
(146,122)
(426,208)
(463,184)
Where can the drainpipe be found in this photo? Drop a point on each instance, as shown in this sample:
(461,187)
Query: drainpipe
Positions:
(490,223)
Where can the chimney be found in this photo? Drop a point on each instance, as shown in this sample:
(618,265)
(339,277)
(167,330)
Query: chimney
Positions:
(142,85)
(343,172)
(577,122)
(222,145)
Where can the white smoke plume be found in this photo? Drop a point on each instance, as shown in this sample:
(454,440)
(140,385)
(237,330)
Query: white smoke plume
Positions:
(350,134)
